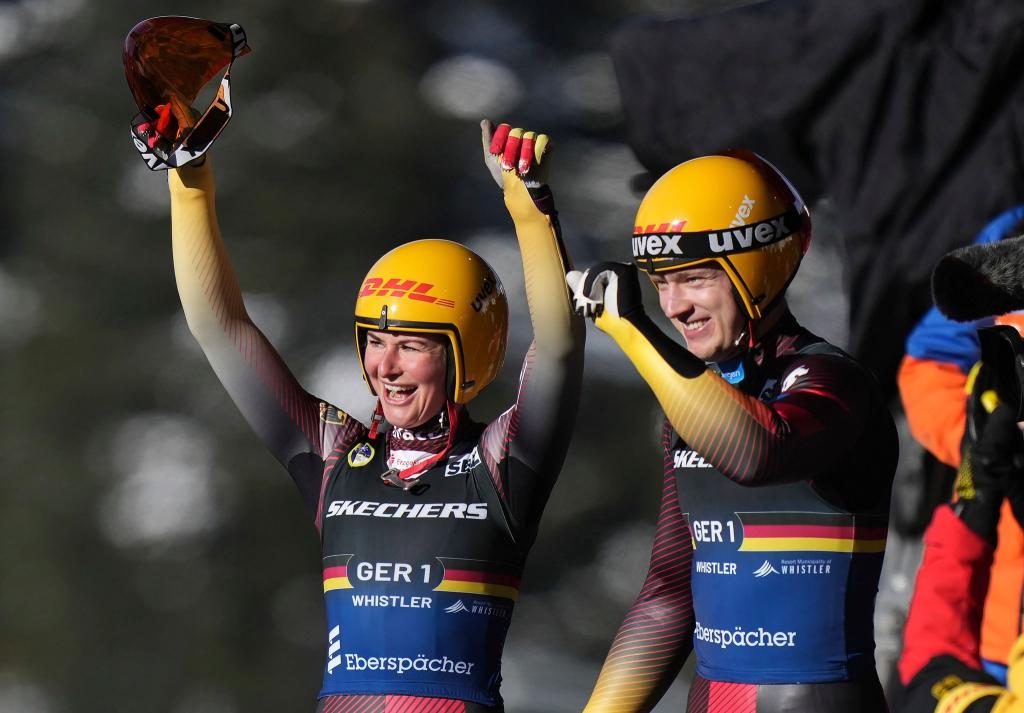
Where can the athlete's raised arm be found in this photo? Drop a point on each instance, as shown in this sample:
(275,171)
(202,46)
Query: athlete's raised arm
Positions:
(818,412)
(526,445)
(301,431)
(167,62)
(656,636)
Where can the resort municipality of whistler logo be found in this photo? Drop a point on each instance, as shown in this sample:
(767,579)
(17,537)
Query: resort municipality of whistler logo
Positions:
(796,567)
(479,607)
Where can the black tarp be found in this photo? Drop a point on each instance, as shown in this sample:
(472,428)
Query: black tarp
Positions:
(908,114)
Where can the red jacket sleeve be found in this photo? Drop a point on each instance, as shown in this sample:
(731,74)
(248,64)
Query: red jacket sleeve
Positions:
(945,612)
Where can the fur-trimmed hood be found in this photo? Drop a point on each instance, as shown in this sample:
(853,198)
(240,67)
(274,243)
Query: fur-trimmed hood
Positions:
(980,280)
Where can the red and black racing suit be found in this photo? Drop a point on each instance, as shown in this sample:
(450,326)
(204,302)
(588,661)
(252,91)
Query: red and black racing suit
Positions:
(771,532)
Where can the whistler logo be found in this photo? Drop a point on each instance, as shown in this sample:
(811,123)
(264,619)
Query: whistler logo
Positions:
(368,508)
(805,567)
(397,601)
(460,465)
(795,567)
(706,567)
(689,459)
(478,607)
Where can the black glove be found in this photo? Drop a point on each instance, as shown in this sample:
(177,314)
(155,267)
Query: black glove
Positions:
(999,455)
(992,469)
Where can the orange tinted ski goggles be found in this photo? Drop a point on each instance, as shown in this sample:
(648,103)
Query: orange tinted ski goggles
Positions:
(167,62)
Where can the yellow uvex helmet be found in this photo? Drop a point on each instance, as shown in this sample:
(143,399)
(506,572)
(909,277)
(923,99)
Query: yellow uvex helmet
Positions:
(439,287)
(735,209)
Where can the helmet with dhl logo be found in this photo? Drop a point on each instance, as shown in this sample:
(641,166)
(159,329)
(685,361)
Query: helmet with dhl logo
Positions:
(444,288)
(734,209)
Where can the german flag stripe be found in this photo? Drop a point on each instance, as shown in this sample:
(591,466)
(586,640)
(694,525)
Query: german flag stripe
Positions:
(474,581)
(336,578)
(812,532)
(826,531)
(483,588)
(811,544)
(467,575)
(455,564)
(813,518)
(337,583)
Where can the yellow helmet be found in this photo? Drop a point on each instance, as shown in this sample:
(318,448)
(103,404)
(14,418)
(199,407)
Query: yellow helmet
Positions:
(734,209)
(439,287)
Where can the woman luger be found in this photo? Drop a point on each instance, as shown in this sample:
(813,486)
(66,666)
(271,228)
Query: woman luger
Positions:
(425,515)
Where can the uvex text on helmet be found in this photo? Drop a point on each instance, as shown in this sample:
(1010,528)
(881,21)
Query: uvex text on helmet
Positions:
(735,210)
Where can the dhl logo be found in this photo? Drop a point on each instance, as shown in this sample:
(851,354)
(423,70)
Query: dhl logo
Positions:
(397,287)
(674,227)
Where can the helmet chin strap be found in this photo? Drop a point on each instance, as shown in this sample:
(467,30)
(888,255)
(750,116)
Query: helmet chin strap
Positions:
(750,333)
(746,334)
(743,343)
(376,419)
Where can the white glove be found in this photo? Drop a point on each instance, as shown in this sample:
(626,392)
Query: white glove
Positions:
(606,288)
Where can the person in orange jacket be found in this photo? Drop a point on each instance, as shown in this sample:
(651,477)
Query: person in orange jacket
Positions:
(935,379)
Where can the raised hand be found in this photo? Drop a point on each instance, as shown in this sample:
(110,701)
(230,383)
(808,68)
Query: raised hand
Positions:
(992,469)
(607,288)
(998,460)
(515,153)
(167,62)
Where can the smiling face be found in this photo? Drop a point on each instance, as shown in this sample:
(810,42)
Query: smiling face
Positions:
(408,373)
(702,306)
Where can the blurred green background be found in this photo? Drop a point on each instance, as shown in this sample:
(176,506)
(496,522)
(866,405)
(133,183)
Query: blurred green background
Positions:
(152,553)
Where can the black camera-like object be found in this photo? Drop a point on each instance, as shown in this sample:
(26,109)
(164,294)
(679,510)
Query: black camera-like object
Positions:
(1002,352)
